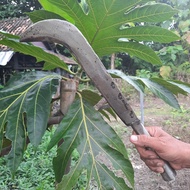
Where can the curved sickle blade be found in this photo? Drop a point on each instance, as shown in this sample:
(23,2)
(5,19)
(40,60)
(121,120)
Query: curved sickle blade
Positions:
(65,33)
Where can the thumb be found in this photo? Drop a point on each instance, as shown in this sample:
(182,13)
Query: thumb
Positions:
(145,141)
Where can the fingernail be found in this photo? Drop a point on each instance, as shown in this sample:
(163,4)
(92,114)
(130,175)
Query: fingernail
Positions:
(134,138)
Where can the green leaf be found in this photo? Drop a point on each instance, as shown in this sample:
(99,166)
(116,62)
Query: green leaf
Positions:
(24,111)
(85,130)
(131,80)
(151,13)
(149,33)
(173,87)
(182,85)
(93,98)
(103,31)
(37,52)
(8,35)
(133,48)
(162,88)
(90,96)
(161,92)
(39,15)
(57,9)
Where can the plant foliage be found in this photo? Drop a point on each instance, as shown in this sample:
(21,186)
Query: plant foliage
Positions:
(84,129)
(35,172)
(17,8)
(24,111)
(51,61)
(25,100)
(105,32)
(166,90)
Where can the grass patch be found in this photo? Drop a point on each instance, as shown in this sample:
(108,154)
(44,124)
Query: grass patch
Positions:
(34,173)
(36,170)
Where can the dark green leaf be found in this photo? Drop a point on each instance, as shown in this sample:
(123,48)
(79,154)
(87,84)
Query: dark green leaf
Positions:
(109,111)
(93,98)
(37,52)
(175,88)
(131,80)
(85,130)
(160,87)
(182,85)
(24,111)
(161,92)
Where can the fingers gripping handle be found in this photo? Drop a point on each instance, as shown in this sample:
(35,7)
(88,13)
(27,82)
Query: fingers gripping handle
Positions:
(169,173)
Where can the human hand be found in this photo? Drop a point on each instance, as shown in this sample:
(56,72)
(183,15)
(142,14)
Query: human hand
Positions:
(165,146)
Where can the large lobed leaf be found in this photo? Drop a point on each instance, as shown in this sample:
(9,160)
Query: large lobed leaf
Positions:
(52,61)
(93,98)
(105,24)
(85,130)
(24,111)
(166,90)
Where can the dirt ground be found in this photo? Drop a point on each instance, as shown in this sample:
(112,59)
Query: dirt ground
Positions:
(158,113)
